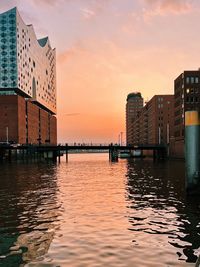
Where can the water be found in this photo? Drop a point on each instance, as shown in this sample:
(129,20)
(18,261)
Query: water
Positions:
(90,212)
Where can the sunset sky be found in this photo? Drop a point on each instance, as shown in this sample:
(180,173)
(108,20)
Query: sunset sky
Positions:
(109,48)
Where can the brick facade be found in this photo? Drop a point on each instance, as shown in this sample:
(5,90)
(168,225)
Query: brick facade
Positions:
(26,122)
(154,124)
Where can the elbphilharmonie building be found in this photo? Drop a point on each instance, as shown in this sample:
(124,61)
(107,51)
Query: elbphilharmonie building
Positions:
(27,83)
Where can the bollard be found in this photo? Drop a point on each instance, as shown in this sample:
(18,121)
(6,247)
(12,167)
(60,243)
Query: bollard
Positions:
(192,149)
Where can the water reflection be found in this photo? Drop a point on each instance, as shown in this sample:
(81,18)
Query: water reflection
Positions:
(159,208)
(90,212)
(29,212)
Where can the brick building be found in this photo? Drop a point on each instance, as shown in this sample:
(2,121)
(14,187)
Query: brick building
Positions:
(154,124)
(24,122)
(187,97)
(27,83)
(134,105)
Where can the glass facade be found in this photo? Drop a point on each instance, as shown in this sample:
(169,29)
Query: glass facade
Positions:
(8,50)
(27,65)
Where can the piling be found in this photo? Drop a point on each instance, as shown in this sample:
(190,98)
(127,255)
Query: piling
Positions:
(192,150)
(66,152)
(114,154)
(59,154)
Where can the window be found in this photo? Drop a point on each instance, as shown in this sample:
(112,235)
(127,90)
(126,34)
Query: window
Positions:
(196,79)
(187,79)
(192,79)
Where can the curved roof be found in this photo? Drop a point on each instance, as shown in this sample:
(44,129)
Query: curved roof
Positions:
(43,41)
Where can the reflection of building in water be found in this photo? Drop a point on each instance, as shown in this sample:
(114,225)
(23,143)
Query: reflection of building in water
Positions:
(28,212)
(190,228)
(158,209)
(27,83)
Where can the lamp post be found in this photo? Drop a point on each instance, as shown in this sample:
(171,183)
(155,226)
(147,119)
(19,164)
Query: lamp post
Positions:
(121,135)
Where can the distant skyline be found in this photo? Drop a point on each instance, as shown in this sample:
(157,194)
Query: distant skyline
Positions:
(109,48)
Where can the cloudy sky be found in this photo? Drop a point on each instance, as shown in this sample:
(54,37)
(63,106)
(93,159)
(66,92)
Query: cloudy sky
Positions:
(109,48)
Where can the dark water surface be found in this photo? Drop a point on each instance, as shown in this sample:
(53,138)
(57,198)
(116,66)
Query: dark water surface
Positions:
(90,212)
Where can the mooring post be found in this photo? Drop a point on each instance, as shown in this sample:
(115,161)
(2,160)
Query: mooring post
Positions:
(66,152)
(54,155)
(192,150)
(114,153)
(109,152)
(59,154)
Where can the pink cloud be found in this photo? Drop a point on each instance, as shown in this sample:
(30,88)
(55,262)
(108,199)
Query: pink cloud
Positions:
(163,7)
(88,13)
(47,2)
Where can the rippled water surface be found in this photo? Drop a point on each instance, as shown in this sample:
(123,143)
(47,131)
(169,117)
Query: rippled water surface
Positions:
(89,212)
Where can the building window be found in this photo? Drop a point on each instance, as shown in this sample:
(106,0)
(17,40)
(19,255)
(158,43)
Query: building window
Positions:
(187,79)
(192,79)
(196,79)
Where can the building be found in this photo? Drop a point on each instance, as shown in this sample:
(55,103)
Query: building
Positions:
(27,83)
(187,97)
(154,124)
(134,104)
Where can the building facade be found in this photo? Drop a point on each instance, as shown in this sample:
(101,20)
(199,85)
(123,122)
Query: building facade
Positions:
(187,97)
(134,104)
(154,124)
(27,83)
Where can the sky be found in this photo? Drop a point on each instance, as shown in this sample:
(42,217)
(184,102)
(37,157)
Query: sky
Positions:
(109,48)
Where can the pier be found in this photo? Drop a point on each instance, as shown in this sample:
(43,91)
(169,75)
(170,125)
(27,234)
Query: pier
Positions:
(24,152)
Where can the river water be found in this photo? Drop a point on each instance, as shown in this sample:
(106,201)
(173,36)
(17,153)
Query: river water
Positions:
(90,212)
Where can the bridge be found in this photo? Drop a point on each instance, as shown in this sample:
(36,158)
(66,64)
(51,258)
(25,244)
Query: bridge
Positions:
(56,151)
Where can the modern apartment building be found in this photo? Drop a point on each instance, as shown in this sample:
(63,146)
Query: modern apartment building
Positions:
(154,124)
(27,83)
(134,104)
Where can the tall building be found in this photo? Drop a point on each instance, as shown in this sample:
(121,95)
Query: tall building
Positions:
(187,97)
(134,105)
(154,124)
(27,83)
